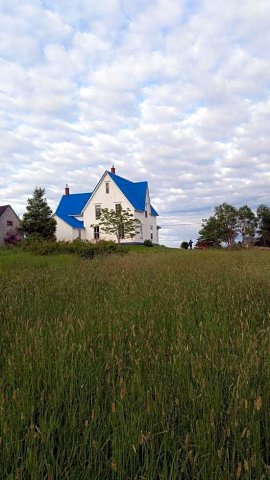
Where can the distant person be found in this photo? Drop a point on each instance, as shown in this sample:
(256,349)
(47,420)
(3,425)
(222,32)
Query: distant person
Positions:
(190,243)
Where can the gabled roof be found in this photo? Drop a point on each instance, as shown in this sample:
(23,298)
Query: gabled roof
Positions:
(70,206)
(2,209)
(135,192)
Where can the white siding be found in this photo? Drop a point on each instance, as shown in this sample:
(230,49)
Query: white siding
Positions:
(108,200)
(105,200)
(65,232)
(146,227)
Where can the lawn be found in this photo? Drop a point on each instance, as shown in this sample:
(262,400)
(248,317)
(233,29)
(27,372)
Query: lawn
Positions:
(150,366)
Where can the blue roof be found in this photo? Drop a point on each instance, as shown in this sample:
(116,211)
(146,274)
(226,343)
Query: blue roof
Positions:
(153,212)
(73,222)
(135,192)
(71,205)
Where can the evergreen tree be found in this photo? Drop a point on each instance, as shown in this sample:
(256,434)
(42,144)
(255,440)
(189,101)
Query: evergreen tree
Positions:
(120,223)
(37,220)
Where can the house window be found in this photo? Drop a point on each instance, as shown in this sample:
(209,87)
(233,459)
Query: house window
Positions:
(107,187)
(151,232)
(98,211)
(9,223)
(96,232)
(145,213)
(141,231)
(118,207)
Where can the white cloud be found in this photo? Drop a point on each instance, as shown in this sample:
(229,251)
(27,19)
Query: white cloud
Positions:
(172,91)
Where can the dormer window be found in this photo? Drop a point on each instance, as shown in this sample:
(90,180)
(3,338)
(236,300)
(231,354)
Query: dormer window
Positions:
(107,187)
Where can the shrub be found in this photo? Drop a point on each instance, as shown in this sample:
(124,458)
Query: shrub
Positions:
(41,247)
(13,237)
(184,245)
(237,246)
(148,243)
(82,248)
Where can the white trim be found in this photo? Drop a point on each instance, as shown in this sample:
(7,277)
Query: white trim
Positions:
(122,193)
(94,191)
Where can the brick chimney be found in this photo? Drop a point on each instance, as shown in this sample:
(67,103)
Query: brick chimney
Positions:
(113,169)
(67,190)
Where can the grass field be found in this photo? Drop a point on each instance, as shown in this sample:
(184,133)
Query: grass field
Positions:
(142,366)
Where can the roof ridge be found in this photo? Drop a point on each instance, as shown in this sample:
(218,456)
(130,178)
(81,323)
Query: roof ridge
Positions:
(126,179)
(118,176)
(76,193)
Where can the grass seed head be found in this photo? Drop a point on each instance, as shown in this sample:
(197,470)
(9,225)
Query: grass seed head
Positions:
(114,466)
(239,470)
(123,391)
(258,403)
(144,438)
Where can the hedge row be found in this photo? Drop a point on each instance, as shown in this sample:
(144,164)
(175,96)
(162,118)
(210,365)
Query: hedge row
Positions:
(83,248)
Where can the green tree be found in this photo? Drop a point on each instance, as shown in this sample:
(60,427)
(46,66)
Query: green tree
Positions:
(226,216)
(263,214)
(211,230)
(247,222)
(120,223)
(37,220)
(222,226)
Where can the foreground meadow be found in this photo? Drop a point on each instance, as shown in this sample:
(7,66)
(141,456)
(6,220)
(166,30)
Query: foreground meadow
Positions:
(135,367)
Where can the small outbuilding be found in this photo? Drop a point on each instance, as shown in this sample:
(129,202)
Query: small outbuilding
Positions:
(9,222)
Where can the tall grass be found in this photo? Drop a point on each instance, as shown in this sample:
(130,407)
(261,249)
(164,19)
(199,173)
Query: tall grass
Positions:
(135,367)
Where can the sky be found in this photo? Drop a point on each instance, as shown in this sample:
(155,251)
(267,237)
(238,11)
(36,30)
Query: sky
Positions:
(171,91)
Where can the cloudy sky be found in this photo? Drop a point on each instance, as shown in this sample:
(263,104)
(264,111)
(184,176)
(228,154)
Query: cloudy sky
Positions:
(171,91)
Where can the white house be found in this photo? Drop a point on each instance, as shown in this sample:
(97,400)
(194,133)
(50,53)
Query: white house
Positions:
(77,215)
